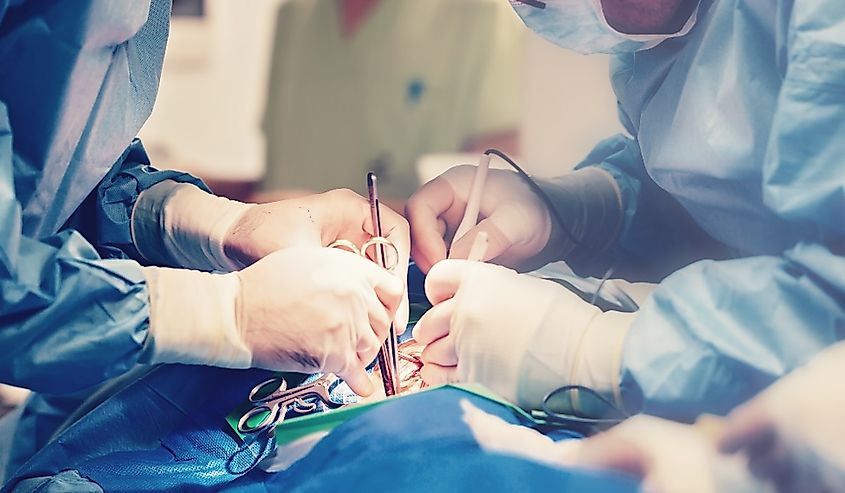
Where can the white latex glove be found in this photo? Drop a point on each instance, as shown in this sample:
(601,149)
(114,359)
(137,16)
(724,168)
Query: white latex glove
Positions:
(299,309)
(668,457)
(517,222)
(181,225)
(793,432)
(520,336)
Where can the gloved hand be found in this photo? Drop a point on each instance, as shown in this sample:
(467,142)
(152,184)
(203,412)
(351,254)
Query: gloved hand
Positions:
(517,222)
(300,309)
(520,336)
(668,457)
(521,232)
(792,433)
(182,226)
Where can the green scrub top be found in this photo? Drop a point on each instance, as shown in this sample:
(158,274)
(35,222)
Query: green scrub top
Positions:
(416,77)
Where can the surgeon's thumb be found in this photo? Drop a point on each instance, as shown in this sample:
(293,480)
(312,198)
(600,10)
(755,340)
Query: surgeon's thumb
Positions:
(444,279)
(497,242)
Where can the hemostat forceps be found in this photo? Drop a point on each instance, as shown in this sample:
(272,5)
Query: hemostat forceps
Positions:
(388,358)
(272,400)
(387,355)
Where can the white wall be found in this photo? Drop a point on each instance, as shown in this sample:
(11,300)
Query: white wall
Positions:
(569,106)
(208,114)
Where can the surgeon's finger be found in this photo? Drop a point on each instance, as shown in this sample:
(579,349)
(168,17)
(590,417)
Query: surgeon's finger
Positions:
(606,451)
(775,463)
(370,325)
(400,321)
(356,377)
(389,289)
(397,312)
(367,355)
(439,375)
(444,279)
(749,427)
(750,430)
(389,295)
(497,242)
(441,352)
(396,230)
(379,317)
(423,211)
(435,323)
(401,314)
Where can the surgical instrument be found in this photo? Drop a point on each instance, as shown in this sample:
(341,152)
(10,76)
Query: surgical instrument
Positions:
(387,356)
(272,399)
(476,193)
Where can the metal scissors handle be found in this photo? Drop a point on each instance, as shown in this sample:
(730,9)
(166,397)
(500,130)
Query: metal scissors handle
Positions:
(271,407)
(374,242)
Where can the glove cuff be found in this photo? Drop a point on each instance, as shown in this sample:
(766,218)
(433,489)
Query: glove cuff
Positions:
(598,362)
(576,344)
(196,318)
(591,204)
(179,225)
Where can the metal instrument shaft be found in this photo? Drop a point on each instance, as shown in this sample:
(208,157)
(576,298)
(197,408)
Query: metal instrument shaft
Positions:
(387,356)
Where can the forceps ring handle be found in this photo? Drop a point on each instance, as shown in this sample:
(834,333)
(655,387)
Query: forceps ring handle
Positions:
(375,241)
(275,415)
(384,242)
(345,245)
(256,394)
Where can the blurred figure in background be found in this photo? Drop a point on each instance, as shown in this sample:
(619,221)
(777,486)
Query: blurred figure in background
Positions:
(361,85)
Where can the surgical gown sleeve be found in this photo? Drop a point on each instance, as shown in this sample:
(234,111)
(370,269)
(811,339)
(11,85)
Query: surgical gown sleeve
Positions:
(717,332)
(657,235)
(112,201)
(68,319)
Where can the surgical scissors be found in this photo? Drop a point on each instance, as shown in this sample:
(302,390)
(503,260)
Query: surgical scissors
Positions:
(272,399)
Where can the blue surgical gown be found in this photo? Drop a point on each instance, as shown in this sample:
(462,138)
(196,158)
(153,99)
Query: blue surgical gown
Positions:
(77,81)
(737,129)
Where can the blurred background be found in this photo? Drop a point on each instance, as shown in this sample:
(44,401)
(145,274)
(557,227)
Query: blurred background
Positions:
(273,98)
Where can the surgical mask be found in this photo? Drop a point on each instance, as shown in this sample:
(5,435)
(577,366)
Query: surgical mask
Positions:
(580,25)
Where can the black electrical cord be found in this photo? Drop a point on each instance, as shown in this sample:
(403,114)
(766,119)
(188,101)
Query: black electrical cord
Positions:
(540,193)
(558,217)
(551,416)
(534,3)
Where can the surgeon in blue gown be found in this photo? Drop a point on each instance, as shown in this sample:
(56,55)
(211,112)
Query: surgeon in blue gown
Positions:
(107,263)
(727,191)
